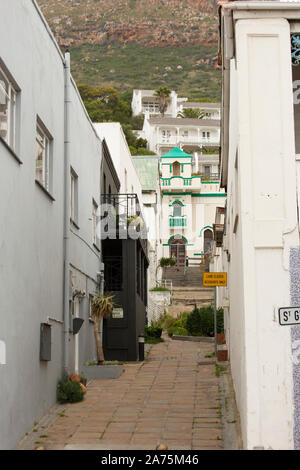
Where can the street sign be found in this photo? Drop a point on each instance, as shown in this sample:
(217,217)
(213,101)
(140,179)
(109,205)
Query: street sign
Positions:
(214,279)
(289,315)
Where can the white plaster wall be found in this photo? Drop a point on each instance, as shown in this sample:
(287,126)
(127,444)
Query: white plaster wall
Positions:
(86,157)
(121,156)
(31,229)
(260,350)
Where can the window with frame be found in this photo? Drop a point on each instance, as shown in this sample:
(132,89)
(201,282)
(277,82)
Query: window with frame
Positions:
(8,104)
(177,209)
(206,135)
(42,157)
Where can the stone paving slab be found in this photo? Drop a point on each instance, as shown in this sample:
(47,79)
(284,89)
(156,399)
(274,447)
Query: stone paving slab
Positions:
(168,399)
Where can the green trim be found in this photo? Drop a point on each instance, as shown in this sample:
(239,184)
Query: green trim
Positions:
(176,201)
(173,236)
(209,182)
(181,163)
(195,194)
(204,228)
(199,254)
(210,195)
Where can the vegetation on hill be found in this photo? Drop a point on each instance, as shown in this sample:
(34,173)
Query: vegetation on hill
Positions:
(129,44)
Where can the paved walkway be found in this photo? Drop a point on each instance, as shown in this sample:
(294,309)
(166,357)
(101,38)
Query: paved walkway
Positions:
(171,398)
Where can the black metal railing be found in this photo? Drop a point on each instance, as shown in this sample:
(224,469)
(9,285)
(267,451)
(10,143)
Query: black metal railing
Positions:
(119,213)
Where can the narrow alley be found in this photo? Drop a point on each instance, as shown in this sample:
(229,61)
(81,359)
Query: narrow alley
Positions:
(172,398)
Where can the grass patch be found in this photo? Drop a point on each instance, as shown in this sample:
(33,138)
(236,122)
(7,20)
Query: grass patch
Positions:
(160,289)
(153,340)
(210,355)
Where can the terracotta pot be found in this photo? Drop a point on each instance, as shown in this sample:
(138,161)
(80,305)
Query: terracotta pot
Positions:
(221,338)
(222,355)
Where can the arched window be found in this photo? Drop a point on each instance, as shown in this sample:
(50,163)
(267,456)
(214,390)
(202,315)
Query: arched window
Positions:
(176,169)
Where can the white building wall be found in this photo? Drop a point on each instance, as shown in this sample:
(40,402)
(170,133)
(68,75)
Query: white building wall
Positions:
(121,156)
(86,158)
(263,195)
(31,230)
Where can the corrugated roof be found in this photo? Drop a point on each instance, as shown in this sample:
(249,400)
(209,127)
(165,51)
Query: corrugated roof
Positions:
(185,122)
(148,171)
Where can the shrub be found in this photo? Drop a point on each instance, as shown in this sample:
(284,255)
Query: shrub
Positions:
(69,392)
(177,331)
(164,262)
(153,331)
(181,320)
(200,322)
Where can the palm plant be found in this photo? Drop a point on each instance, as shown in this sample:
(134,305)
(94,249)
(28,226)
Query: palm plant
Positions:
(163,94)
(191,113)
(102,307)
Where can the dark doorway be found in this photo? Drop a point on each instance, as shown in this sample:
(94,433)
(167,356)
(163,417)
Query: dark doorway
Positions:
(178,250)
(208,238)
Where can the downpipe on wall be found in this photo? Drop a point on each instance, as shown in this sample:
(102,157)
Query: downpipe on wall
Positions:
(67,209)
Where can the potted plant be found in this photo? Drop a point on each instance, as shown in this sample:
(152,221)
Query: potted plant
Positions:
(102,307)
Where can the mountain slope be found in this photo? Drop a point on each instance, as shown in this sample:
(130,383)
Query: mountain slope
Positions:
(140,43)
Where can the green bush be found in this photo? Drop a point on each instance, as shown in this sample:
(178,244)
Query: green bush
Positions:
(153,331)
(177,331)
(165,262)
(181,320)
(200,322)
(69,392)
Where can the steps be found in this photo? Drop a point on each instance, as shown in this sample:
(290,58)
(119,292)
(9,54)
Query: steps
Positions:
(180,276)
(188,289)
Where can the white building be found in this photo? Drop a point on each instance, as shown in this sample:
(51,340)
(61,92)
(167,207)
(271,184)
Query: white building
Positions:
(207,110)
(189,201)
(146,102)
(121,157)
(148,170)
(192,135)
(260,171)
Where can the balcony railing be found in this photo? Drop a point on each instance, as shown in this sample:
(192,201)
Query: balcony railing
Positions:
(210,176)
(197,140)
(177,221)
(118,213)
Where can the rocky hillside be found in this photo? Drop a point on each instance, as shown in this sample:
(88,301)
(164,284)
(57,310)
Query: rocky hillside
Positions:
(140,43)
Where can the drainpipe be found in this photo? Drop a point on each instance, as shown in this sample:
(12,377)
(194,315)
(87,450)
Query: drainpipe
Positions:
(67,210)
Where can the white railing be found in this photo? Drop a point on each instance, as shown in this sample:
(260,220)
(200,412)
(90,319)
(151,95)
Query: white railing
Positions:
(176,140)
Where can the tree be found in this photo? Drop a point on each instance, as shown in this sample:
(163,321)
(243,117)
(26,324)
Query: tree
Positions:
(104,104)
(191,113)
(163,94)
(102,307)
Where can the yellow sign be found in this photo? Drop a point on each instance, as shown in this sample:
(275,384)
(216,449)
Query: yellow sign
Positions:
(214,279)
